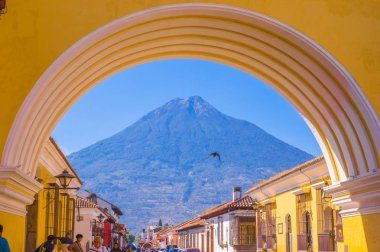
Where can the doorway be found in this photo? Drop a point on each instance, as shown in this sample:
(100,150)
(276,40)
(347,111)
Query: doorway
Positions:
(288,234)
(31,225)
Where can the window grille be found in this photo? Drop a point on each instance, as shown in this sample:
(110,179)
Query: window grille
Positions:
(325,215)
(61,214)
(304,221)
(220,230)
(272,226)
(49,228)
(247,233)
(260,223)
(196,240)
(69,212)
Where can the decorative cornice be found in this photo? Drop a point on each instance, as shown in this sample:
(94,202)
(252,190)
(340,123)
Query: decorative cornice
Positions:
(298,180)
(16,190)
(18,179)
(13,201)
(358,196)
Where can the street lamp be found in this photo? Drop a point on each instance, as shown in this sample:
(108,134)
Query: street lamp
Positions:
(100,217)
(98,226)
(64,179)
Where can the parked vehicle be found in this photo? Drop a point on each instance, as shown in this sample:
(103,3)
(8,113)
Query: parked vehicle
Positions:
(169,247)
(192,250)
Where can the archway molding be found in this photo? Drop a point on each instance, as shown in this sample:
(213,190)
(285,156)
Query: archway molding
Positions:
(343,121)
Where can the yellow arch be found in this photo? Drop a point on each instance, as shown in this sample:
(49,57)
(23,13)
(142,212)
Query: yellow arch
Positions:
(314,81)
(316,84)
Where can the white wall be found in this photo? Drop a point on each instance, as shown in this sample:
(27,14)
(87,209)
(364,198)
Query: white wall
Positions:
(223,245)
(84,227)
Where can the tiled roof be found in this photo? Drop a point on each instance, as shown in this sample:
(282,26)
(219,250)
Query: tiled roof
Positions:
(165,230)
(196,222)
(216,209)
(84,203)
(244,203)
(286,173)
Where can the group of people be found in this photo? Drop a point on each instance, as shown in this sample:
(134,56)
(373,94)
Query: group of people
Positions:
(67,244)
(75,246)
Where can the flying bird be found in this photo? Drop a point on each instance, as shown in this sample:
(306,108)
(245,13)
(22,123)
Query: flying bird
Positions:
(214,154)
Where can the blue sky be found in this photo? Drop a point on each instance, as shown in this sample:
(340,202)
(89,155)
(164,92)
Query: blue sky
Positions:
(125,97)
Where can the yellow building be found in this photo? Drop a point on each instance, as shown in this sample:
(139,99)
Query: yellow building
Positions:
(52,211)
(294,212)
(322,56)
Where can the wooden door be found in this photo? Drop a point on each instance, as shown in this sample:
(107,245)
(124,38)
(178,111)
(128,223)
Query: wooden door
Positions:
(288,234)
(31,225)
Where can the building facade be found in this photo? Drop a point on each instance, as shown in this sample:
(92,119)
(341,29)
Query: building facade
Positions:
(294,213)
(231,226)
(103,217)
(53,210)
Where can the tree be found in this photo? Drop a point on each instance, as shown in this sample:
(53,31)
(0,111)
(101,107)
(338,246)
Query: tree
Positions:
(160,223)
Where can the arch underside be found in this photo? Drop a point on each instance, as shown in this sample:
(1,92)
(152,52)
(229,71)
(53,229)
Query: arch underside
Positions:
(321,90)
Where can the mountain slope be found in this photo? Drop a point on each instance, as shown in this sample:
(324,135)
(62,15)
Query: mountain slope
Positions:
(159,166)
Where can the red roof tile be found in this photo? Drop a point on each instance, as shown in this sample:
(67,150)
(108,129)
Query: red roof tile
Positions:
(196,222)
(84,203)
(244,203)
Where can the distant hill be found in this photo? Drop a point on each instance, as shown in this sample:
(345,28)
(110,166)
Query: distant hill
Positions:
(159,166)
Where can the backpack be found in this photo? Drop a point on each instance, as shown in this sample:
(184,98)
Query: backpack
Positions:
(41,248)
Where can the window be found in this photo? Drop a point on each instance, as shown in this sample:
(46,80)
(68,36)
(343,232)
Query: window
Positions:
(61,211)
(220,230)
(325,214)
(247,233)
(49,228)
(304,221)
(325,220)
(270,210)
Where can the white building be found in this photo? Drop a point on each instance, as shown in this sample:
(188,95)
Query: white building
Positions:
(87,212)
(98,217)
(231,226)
(191,234)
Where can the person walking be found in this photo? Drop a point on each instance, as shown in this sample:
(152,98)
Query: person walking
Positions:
(97,245)
(76,246)
(66,241)
(115,248)
(4,246)
(47,246)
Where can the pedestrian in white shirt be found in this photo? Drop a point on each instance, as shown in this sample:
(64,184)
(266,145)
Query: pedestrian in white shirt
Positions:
(97,245)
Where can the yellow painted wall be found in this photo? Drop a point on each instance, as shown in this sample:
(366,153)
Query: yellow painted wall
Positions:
(42,202)
(286,204)
(362,233)
(35,33)
(44,174)
(14,230)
